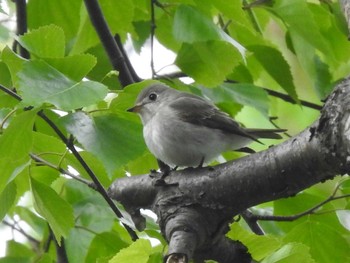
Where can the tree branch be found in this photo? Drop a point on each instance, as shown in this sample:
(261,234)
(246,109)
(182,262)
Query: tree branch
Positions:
(61,170)
(99,186)
(20,230)
(273,93)
(21,14)
(114,53)
(71,147)
(212,196)
(312,210)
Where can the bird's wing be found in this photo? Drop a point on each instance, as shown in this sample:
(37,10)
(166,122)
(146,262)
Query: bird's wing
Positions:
(198,111)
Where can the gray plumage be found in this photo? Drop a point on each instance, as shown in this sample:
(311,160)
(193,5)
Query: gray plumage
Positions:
(183,129)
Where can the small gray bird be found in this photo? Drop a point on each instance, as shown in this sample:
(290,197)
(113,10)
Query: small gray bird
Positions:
(183,129)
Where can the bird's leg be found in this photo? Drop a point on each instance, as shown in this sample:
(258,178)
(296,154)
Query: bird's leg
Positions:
(201,163)
(165,171)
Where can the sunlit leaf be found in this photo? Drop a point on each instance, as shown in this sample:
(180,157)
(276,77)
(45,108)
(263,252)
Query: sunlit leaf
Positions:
(291,253)
(50,46)
(207,62)
(242,93)
(321,239)
(15,144)
(40,83)
(199,28)
(64,14)
(258,246)
(74,67)
(139,251)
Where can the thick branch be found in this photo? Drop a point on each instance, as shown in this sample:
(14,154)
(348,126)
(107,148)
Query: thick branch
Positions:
(218,193)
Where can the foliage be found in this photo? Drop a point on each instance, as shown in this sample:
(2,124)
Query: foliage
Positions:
(298,47)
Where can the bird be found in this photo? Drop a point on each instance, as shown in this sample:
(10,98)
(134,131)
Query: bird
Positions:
(185,130)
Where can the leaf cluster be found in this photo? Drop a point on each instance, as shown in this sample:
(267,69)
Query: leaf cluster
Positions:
(231,53)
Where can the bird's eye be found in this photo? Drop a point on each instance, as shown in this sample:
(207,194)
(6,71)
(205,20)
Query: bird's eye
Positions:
(152,96)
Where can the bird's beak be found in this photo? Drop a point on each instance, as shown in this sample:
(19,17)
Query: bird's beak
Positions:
(136,108)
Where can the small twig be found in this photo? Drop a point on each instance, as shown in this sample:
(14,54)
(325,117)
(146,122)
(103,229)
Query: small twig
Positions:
(71,147)
(289,99)
(86,229)
(6,118)
(61,170)
(252,222)
(115,55)
(132,71)
(20,230)
(10,92)
(312,210)
(252,17)
(153,29)
(99,186)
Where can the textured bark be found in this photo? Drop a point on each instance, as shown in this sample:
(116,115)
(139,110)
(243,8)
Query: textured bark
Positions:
(197,209)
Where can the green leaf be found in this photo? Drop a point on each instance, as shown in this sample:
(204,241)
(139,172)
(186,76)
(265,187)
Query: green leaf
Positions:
(7,199)
(323,81)
(104,245)
(111,138)
(207,62)
(139,251)
(14,248)
(199,28)
(5,75)
(275,64)
(15,144)
(45,42)
(291,253)
(74,67)
(51,206)
(321,238)
(64,14)
(258,246)
(13,62)
(242,93)
(297,16)
(53,147)
(40,83)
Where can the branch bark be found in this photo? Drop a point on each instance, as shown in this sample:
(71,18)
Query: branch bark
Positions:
(114,53)
(200,203)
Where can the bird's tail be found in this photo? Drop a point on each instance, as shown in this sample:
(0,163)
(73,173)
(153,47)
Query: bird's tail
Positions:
(266,133)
